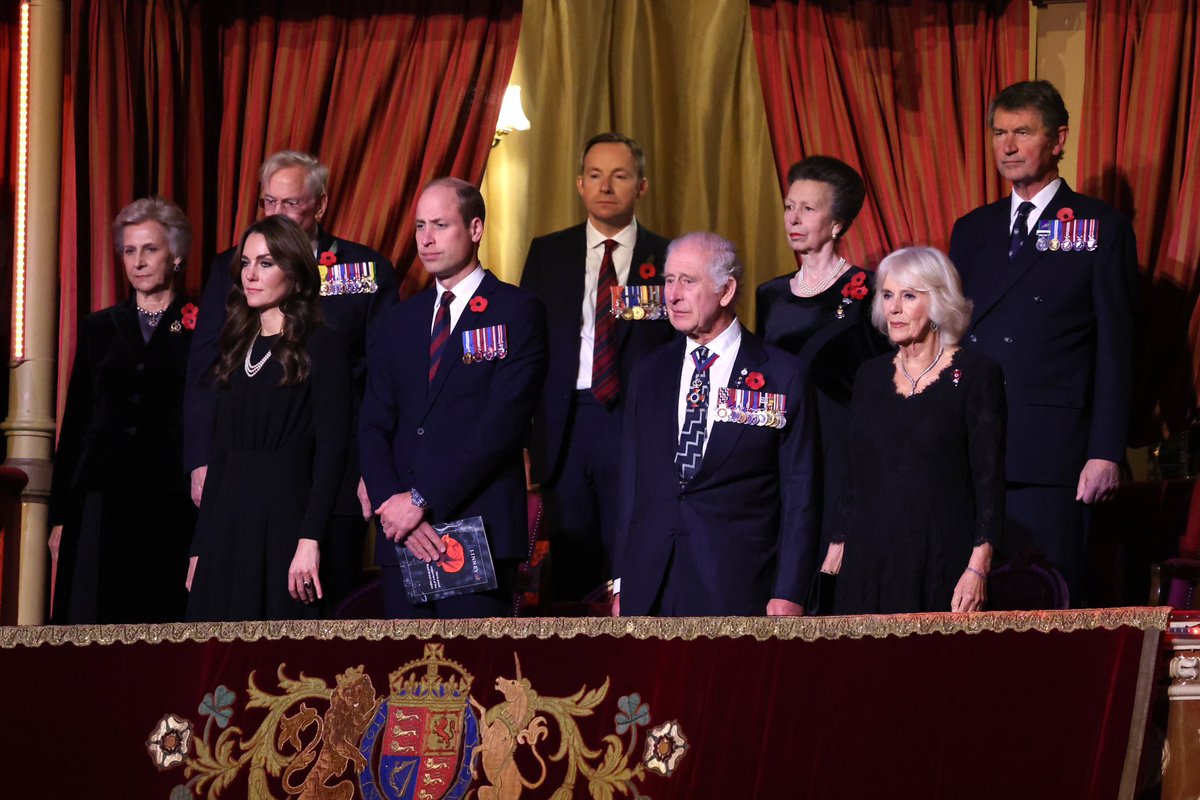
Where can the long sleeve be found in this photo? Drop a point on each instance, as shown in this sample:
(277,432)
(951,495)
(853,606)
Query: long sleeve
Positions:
(200,398)
(332,390)
(77,417)
(985,444)
(800,522)
(377,427)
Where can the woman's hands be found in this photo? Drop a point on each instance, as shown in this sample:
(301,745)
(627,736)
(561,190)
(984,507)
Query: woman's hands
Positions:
(304,582)
(191,571)
(971,592)
(833,558)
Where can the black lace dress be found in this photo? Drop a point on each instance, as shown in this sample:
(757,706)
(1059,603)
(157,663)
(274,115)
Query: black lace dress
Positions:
(925,486)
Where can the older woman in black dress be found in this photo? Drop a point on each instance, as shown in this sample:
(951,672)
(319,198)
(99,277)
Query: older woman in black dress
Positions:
(923,499)
(820,312)
(281,439)
(118,506)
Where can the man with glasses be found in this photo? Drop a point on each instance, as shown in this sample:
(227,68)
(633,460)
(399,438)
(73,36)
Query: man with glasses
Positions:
(357,284)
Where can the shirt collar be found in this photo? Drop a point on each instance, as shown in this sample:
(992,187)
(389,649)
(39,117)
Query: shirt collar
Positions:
(464,289)
(724,345)
(1039,200)
(626,237)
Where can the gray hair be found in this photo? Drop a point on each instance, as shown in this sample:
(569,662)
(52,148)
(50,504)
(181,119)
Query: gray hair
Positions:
(927,270)
(723,261)
(316,174)
(162,211)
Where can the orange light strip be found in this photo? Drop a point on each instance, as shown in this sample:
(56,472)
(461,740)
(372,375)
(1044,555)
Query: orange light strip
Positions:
(18,351)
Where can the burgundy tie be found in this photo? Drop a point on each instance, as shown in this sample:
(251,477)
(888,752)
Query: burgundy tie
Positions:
(440,334)
(606,383)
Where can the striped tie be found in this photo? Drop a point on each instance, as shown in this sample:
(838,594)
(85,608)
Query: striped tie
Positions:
(606,382)
(440,334)
(690,451)
(1019,231)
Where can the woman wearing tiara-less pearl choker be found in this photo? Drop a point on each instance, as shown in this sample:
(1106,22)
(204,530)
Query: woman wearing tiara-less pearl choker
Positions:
(923,498)
(820,312)
(281,439)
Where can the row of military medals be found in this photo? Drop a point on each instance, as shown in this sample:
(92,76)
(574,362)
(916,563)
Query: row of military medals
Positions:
(1075,234)
(350,278)
(748,407)
(638,302)
(485,344)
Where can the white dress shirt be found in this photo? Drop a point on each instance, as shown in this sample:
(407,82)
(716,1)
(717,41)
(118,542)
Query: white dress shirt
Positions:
(622,260)
(463,291)
(725,347)
(1039,200)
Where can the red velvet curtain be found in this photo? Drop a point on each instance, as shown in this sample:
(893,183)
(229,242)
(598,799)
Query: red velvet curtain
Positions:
(1140,151)
(898,90)
(185,99)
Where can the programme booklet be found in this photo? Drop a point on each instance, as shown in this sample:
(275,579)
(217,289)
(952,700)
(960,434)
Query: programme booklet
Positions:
(464,568)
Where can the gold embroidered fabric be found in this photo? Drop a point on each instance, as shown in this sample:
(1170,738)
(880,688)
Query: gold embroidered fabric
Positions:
(667,628)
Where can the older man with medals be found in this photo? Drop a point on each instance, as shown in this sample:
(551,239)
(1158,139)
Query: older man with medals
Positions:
(1051,273)
(718,505)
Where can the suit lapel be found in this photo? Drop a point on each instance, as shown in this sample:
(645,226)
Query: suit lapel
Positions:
(452,355)
(725,435)
(664,402)
(641,254)
(125,319)
(1003,276)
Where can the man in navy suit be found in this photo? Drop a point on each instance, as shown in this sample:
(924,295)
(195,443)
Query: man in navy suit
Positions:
(357,285)
(1052,274)
(441,436)
(572,453)
(718,504)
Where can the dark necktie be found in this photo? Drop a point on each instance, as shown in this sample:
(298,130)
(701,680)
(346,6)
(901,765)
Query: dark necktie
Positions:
(606,382)
(1019,231)
(440,334)
(690,451)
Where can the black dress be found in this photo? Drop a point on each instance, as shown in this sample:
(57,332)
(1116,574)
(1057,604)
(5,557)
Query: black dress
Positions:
(278,455)
(832,346)
(119,488)
(926,485)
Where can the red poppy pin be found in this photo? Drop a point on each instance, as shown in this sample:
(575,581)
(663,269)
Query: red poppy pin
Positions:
(1066,214)
(859,279)
(858,292)
(957,375)
(478,304)
(327,259)
(647,271)
(755,380)
(190,312)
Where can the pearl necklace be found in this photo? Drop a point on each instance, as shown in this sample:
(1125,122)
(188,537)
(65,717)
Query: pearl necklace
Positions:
(913,382)
(808,291)
(253,369)
(152,317)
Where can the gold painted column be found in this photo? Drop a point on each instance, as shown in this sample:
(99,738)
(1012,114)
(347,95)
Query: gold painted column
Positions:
(29,428)
(1181,759)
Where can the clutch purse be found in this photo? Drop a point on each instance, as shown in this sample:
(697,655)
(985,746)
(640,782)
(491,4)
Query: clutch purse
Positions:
(819,601)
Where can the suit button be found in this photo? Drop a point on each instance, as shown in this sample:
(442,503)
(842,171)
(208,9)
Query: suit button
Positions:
(135,398)
(131,430)
(420,431)
(973,339)
(140,367)
(1008,340)
(1037,299)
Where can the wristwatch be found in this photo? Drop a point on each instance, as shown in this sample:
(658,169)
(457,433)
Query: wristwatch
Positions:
(417,499)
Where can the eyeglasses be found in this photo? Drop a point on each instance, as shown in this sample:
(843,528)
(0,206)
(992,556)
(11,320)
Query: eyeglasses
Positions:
(267,202)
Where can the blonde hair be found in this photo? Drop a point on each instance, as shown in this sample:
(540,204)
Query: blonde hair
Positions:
(927,270)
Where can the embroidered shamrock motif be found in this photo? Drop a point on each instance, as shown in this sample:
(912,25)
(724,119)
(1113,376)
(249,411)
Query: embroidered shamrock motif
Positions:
(478,304)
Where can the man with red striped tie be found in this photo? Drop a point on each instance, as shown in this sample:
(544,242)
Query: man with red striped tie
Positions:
(455,373)
(592,350)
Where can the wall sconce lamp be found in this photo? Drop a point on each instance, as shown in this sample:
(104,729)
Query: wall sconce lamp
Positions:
(512,116)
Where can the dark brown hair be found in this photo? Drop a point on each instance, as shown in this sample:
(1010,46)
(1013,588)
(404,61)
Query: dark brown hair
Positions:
(292,252)
(1039,96)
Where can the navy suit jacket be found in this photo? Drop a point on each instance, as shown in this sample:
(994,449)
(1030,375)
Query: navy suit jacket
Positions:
(351,315)
(745,529)
(458,441)
(1061,326)
(555,270)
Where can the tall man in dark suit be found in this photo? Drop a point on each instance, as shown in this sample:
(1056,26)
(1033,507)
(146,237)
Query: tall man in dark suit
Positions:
(1052,276)
(591,354)
(357,284)
(442,435)
(718,502)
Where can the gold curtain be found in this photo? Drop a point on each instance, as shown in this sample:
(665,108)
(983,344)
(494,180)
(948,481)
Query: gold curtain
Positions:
(680,77)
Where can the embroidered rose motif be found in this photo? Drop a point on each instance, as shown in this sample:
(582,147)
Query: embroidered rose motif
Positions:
(190,312)
(755,380)
(478,304)
(327,259)
(665,745)
(170,741)
(647,271)
(1066,214)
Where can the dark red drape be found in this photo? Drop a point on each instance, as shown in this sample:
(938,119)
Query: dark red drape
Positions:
(185,99)
(1140,151)
(898,90)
